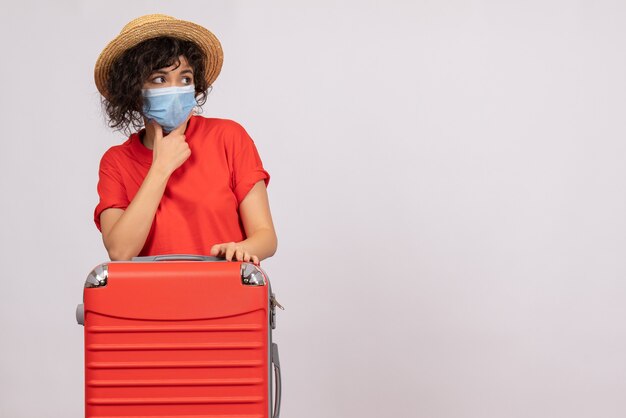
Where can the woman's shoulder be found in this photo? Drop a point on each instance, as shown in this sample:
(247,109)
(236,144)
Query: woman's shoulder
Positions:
(227,132)
(218,125)
(117,152)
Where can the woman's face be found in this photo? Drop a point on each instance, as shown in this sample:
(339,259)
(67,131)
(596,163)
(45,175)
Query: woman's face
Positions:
(171,76)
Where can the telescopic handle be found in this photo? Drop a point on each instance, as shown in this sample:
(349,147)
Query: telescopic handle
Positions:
(178,257)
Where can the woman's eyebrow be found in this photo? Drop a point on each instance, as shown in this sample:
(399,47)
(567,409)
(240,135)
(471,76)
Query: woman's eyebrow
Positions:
(186,71)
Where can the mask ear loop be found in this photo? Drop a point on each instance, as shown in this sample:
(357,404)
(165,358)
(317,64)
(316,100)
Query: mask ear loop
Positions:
(198,109)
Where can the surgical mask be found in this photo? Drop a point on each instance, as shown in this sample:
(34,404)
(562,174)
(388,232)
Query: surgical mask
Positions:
(169,106)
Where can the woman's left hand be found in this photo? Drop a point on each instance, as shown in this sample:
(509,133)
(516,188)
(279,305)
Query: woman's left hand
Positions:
(228,250)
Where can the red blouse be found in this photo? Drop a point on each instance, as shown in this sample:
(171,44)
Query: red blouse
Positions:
(200,205)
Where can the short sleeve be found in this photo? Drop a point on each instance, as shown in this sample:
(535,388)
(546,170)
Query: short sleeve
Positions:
(247,166)
(111,188)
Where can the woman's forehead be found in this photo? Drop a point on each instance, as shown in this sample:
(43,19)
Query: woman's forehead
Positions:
(183,64)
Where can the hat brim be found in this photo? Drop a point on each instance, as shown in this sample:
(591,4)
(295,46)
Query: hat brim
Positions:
(176,28)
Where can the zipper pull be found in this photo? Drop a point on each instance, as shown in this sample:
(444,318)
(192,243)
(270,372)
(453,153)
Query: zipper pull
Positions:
(274,302)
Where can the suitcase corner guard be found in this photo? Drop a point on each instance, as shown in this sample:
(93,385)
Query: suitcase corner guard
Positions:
(252,275)
(98,276)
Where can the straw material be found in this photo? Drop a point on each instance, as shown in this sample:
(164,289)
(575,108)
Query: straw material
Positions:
(152,26)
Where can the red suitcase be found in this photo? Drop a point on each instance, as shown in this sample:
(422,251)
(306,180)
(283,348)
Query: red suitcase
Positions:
(179,336)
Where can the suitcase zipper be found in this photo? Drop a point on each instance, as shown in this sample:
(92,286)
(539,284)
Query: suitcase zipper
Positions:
(275,303)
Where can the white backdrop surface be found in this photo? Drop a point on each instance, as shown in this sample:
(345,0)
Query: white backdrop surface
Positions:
(448,188)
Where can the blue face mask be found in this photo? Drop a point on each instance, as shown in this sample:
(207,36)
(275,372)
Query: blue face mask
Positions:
(169,106)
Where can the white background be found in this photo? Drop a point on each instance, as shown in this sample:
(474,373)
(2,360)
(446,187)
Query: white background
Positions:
(448,188)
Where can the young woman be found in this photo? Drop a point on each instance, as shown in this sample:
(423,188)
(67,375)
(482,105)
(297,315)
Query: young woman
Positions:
(181,183)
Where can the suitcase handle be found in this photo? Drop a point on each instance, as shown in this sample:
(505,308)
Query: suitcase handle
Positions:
(176,257)
(278,390)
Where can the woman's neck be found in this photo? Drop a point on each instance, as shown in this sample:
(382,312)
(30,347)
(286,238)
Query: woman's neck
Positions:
(143,137)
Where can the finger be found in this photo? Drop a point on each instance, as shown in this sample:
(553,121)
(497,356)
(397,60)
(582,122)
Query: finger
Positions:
(229,253)
(255,260)
(246,257)
(157,134)
(157,130)
(215,250)
(220,250)
(239,253)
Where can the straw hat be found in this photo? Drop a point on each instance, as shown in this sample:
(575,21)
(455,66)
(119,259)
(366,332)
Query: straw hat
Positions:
(152,26)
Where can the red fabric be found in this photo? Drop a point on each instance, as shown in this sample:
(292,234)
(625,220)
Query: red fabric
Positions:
(200,204)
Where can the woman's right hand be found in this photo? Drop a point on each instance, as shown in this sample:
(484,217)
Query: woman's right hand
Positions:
(170,151)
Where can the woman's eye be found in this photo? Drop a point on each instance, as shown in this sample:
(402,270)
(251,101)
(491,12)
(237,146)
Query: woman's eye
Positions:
(158,80)
(187,80)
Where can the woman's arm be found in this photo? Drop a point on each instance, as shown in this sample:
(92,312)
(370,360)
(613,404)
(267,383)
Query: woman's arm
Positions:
(261,241)
(124,232)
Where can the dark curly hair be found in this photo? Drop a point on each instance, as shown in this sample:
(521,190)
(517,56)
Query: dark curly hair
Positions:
(129,72)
